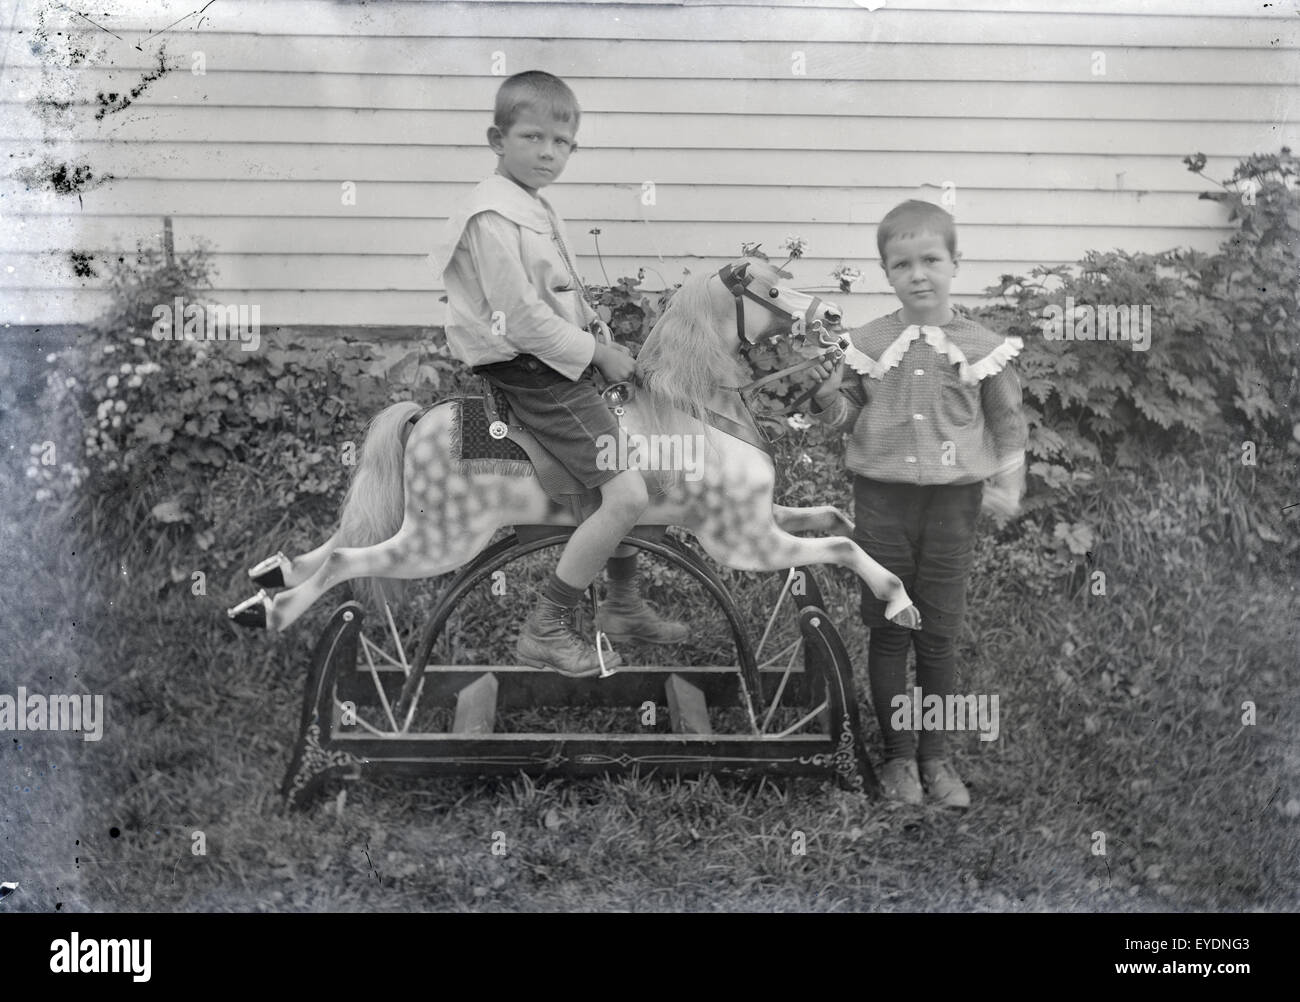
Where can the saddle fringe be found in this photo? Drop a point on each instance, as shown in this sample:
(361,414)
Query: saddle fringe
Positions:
(505,467)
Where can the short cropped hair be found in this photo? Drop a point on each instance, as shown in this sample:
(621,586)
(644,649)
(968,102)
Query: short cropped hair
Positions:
(914,217)
(538,91)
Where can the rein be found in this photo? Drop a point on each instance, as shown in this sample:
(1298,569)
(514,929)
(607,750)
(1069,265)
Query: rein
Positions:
(737,283)
(738,286)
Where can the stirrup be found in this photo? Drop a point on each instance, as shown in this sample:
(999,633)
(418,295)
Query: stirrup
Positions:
(600,655)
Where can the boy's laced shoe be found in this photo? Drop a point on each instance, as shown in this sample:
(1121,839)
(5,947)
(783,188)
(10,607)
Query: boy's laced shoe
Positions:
(625,615)
(548,640)
(899,779)
(943,784)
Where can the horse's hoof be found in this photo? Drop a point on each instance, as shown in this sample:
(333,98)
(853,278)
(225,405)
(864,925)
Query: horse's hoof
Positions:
(909,617)
(270,572)
(252,611)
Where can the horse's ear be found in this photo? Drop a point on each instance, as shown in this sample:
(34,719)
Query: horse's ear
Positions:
(740,271)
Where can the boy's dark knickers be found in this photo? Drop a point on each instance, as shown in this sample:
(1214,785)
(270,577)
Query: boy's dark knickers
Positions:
(569,417)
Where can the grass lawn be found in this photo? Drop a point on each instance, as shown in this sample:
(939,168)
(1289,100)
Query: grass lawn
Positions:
(1121,716)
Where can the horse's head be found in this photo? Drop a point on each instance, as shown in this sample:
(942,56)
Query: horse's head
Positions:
(785,310)
(696,345)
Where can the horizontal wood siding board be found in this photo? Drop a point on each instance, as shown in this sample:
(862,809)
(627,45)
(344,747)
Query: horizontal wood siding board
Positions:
(621,204)
(892,24)
(329,161)
(1170,9)
(706,59)
(416,236)
(916,98)
(669,132)
(278,303)
(381,274)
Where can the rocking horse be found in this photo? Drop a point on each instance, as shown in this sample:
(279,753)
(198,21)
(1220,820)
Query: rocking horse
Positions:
(416,509)
(433,486)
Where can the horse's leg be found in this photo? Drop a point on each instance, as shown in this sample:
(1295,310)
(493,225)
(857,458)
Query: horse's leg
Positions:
(293,571)
(757,544)
(449,519)
(404,556)
(818,518)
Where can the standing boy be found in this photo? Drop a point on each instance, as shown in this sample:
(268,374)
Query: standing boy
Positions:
(936,425)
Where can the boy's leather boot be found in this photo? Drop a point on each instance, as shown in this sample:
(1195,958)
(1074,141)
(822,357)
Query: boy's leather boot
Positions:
(625,615)
(548,640)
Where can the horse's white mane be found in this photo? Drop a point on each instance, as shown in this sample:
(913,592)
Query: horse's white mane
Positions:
(686,356)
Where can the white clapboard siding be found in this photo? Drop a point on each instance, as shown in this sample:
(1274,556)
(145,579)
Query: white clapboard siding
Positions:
(270,273)
(710,239)
(706,60)
(1204,24)
(267,160)
(453,129)
(614,204)
(1094,98)
(1051,128)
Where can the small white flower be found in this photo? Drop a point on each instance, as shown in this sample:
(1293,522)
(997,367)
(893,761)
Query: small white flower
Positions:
(70,382)
(120,406)
(112,382)
(33,472)
(138,342)
(117,421)
(44,494)
(134,381)
(109,349)
(35,449)
(125,368)
(52,357)
(799,422)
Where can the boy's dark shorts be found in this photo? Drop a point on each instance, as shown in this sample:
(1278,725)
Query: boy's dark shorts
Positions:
(925,535)
(569,417)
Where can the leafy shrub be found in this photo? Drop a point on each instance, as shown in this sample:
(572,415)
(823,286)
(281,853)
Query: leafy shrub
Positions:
(145,426)
(1218,379)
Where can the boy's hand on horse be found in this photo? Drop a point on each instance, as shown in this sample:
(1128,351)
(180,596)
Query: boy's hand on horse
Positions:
(615,362)
(832,375)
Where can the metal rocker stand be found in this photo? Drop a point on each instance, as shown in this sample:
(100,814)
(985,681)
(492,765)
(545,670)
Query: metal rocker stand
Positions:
(809,678)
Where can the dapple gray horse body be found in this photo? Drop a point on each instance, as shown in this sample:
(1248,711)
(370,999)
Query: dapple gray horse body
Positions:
(413,512)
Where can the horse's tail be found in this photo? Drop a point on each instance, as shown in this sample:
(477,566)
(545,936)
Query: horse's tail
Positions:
(376,500)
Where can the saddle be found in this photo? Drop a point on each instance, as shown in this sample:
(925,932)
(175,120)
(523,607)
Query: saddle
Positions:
(484,439)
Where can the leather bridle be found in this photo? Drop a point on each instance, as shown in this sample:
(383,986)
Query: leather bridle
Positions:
(738,280)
